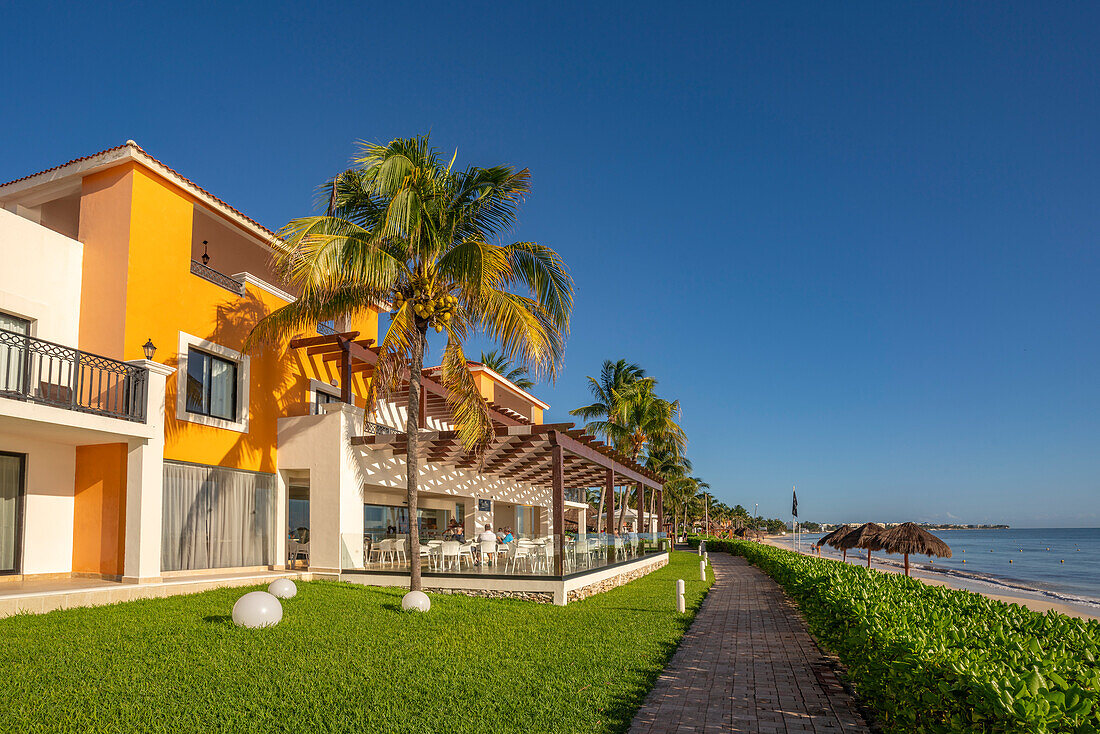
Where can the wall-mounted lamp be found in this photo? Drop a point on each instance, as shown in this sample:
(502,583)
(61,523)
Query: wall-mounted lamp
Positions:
(205,256)
(149,348)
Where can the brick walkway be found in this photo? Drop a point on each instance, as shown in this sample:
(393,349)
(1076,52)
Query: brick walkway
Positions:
(747,664)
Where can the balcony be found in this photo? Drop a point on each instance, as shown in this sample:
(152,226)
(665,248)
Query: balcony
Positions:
(37,371)
(220,279)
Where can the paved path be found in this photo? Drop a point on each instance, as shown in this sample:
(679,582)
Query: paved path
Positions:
(747,664)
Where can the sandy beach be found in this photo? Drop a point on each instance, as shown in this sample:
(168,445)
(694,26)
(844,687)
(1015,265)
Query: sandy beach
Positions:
(1036,601)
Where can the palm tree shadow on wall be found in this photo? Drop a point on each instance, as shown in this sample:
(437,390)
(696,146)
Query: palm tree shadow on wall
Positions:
(277,388)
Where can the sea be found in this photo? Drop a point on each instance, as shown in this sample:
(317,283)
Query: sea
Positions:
(1061,564)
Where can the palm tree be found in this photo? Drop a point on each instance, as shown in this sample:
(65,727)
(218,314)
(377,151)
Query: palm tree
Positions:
(404,226)
(673,466)
(516,375)
(616,379)
(648,422)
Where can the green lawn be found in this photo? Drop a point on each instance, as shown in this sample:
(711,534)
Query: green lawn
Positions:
(345,658)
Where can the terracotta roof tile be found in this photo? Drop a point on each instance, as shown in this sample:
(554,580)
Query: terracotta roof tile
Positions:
(67,163)
(135,146)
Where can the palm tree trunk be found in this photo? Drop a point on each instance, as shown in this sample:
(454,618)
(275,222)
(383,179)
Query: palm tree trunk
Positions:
(599,515)
(622,510)
(412,457)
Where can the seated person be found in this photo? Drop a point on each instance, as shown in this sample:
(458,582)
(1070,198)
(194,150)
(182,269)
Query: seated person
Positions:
(454,530)
(488,536)
(508,537)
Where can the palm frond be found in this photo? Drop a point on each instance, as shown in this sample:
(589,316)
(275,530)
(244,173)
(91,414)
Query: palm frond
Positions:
(468,407)
(523,329)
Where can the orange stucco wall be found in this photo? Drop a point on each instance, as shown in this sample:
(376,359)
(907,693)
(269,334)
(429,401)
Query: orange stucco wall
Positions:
(485,385)
(99,518)
(105,231)
(162,298)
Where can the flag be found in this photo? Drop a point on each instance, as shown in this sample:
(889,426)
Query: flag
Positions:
(794,503)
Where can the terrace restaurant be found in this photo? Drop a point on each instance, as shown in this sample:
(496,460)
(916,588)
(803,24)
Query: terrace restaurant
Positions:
(346,473)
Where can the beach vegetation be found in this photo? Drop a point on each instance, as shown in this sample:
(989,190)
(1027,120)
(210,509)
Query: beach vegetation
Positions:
(938,660)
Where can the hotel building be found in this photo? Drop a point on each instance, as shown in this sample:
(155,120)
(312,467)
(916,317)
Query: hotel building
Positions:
(142,448)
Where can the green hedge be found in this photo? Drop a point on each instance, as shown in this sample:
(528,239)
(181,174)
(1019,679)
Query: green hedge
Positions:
(933,659)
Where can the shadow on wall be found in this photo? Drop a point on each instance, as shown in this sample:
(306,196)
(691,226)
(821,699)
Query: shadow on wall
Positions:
(276,387)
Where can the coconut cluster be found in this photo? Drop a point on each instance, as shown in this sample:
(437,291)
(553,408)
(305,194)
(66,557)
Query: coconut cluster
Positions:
(437,310)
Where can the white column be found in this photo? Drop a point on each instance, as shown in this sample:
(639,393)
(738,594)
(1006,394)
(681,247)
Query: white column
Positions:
(582,523)
(145,484)
(282,494)
(351,492)
(481,518)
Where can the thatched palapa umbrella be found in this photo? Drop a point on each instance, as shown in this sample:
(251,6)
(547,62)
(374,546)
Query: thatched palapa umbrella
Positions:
(865,536)
(909,538)
(831,538)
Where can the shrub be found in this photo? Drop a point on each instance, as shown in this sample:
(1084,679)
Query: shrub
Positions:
(933,659)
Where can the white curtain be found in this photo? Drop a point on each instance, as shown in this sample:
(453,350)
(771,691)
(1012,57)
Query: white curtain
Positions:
(12,353)
(222,379)
(217,518)
(9,499)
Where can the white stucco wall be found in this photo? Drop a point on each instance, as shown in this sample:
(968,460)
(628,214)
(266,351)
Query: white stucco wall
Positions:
(40,278)
(320,444)
(48,506)
(341,477)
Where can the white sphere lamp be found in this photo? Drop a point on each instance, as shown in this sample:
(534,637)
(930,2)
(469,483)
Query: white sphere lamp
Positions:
(282,588)
(416,601)
(257,609)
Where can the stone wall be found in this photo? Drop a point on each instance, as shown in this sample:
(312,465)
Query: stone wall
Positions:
(542,597)
(610,583)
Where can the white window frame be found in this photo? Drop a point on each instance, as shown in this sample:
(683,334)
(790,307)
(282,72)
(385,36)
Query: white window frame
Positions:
(186,343)
(316,386)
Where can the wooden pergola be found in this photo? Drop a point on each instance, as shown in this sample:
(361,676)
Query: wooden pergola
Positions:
(359,357)
(554,456)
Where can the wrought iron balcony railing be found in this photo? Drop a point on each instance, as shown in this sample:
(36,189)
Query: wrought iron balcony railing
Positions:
(377,429)
(43,372)
(208,273)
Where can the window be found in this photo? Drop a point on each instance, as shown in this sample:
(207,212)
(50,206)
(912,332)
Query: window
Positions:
(14,323)
(384,521)
(211,385)
(214,517)
(322,398)
(327,327)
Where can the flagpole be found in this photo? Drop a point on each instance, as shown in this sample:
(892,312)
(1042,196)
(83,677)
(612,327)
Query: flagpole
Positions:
(794,519)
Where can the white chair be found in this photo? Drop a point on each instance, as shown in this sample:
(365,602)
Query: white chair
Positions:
(466,552)
(433,552)
(384,549)
(398,550)
(543,557)
(375,551)
(519,552)
(583,550)
(449,555)
(487,549)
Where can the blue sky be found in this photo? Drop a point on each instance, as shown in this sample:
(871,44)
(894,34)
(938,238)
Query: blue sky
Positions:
(858,241)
